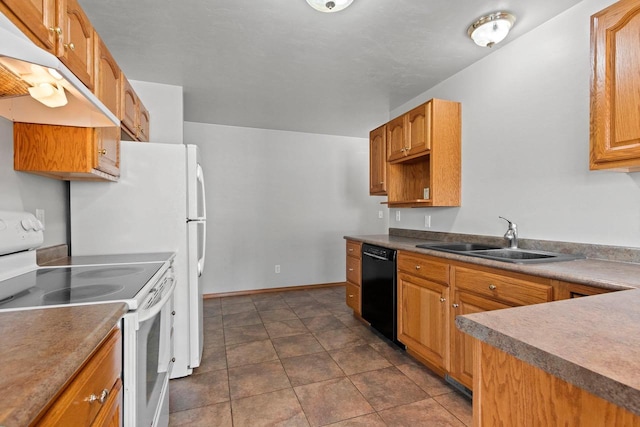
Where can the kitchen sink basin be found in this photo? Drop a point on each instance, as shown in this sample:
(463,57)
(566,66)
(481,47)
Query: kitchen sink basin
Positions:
(518,256)
(457,247)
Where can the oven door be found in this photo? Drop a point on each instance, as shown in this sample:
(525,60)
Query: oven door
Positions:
(148,361)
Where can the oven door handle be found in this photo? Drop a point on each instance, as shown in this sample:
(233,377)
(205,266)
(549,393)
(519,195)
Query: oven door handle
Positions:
(370,255)
(143,316)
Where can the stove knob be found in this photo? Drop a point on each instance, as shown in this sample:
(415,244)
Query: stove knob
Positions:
(26,224)
(38,225)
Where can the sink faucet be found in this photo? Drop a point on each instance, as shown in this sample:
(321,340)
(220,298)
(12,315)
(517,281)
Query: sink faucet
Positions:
(512,234)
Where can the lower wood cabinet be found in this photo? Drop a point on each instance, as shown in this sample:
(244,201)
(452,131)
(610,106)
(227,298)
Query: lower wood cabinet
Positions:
(510,392)
(478,289)
(423,318)
(423,309)
(66,152)
(94,395)
(354,276)
(566,290)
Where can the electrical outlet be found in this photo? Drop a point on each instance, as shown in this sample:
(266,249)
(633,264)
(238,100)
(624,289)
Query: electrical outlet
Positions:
(398,216)
(427,221)
(277,268)
(380,214)
(40,216)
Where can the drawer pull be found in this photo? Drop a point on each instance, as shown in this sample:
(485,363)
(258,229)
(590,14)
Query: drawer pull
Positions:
(350,295)
(417,267)
(102,398)
(456,305)
(492,287)
(442,299)
(350,249)
(351,269)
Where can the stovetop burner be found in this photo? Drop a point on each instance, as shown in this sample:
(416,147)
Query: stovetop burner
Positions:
(80,293)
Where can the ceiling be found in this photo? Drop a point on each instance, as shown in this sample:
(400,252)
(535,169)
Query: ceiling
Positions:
(279,64)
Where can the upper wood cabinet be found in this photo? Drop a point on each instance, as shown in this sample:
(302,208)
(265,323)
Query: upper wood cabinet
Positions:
(378,161)
(133,114)
(107,77)
(409,135)
(75,40)
(67,153)
(615,87)
(60,27)
(431,161)
(38,19)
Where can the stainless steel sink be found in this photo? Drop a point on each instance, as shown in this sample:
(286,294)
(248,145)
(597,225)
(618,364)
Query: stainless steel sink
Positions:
(457,247)
(518,256)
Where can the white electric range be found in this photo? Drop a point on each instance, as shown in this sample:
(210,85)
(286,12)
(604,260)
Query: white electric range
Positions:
(144,282)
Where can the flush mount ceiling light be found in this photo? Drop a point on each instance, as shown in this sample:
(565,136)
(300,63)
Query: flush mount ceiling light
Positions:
(491,29)
(329,5)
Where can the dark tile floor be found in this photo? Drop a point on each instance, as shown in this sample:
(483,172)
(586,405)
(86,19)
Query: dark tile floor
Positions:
(300,358)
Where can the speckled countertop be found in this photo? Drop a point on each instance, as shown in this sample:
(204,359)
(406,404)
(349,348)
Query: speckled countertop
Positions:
(42,349)
(591,342)
(594,272)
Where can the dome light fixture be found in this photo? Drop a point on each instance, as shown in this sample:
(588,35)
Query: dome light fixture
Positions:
(329,5)
(491,29)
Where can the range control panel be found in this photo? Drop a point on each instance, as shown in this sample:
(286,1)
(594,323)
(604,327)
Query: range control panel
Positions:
(19,231)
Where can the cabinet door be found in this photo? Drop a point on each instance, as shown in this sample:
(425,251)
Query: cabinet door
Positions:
(423,318)
(353,298)
(129,107)
(615,87)
(108,150)
(75,43)
(38,17)
(143,123)
(396,142)
(111,412)
(107,77)
(378,161)
(418,129)
(461,362)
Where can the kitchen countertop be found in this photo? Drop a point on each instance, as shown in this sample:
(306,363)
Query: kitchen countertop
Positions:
(593,272)
(592,343)
(41,351)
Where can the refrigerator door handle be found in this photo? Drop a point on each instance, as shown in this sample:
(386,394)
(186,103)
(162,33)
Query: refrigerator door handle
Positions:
(203,240)
(200,179)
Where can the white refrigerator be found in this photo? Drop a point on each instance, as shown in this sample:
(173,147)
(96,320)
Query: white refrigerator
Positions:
(158,205)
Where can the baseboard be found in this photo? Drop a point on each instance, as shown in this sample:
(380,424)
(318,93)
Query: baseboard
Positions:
(270,290)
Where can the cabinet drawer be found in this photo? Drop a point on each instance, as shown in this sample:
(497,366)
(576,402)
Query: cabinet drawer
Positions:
(354,270)
(354,249)
(423,267)
(73,406)
(353,297)
(501,287)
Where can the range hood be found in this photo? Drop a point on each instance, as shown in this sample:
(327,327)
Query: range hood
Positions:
(28,72)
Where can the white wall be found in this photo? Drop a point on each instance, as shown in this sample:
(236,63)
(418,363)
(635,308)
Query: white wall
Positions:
(286,198)
(525,144)
(166,108)
(24,191)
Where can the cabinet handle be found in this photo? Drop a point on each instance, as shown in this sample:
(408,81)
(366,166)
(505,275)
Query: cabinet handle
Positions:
(381,182)
(70,46)
(351,269)
(103,151)
(455,305)
(56,30)
(417,267)
(350,249)
(102,398)
(350,295)
(442,299)
(492,287)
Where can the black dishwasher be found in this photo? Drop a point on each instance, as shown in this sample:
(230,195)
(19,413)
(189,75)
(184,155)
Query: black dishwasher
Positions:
(379,300)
